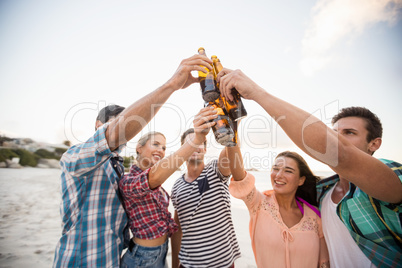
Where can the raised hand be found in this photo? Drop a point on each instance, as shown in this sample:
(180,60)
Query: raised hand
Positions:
(229,79)
(203,123)
(182,78)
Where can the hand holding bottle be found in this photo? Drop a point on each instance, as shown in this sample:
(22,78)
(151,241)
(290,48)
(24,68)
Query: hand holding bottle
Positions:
(247,88)
(203,122)
(182,78)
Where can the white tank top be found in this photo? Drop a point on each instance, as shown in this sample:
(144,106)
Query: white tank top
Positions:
(343,250)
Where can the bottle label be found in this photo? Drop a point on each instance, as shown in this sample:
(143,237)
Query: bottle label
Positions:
(209,84)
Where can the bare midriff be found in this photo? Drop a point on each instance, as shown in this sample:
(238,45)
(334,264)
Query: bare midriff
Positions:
(150,242)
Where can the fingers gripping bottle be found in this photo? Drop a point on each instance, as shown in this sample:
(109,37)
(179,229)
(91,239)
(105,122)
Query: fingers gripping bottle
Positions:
(222,129)
(235,108)
(209,89)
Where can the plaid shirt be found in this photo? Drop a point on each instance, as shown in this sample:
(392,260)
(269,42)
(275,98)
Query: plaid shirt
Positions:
(374,225)
(93,219)
(147,209)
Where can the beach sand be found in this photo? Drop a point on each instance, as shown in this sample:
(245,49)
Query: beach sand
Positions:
(29,216)
(30,224)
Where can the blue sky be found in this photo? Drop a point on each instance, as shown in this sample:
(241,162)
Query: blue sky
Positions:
(62,61)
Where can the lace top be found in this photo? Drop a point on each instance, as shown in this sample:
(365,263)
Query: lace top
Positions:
(274,244)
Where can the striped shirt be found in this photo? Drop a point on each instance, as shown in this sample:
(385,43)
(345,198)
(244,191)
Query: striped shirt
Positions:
(93,219)
(204,210)
(375,225)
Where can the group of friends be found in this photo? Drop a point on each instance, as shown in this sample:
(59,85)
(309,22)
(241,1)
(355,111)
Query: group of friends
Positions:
(352,219)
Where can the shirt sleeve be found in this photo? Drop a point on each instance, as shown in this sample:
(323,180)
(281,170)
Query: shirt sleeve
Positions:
(86,157)
(223,178)
(135,185)
(173,194)
(246,191)
(397,169)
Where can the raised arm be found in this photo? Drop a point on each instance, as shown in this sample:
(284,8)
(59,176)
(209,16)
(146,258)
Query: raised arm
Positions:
(235,158)
(322,143)
(167,166)
(135,117)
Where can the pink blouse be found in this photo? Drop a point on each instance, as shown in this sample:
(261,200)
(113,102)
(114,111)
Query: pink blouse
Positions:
(273,243)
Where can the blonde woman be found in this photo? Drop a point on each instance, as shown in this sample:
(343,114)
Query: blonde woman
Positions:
(145,200)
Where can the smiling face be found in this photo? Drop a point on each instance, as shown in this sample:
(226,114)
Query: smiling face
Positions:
(151,152)
(285,176)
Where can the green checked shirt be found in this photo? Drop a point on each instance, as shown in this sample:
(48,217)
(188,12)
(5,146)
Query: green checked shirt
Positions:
(374,225)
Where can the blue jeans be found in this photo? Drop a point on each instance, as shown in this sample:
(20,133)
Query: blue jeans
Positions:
(149,257)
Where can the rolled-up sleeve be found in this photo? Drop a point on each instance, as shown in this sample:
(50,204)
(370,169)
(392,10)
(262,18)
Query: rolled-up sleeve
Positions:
(245,190)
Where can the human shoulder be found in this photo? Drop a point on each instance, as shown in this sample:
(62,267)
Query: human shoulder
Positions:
(329,181)
(135,172)
(135,181)
(311,210)
(97,142)
(178,182)
(212,167)
(213,164)
(87,156)
(394,166)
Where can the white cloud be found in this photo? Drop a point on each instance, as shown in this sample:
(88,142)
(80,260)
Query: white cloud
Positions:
(334,20)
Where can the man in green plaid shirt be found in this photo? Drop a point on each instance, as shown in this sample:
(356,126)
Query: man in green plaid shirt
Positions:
(361,205)
(373,224)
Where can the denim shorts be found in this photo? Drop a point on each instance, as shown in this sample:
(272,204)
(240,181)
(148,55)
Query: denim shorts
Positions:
(150,257)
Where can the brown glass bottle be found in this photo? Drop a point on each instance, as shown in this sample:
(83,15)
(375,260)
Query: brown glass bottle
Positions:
(209,89)
(235,108)
(223,131)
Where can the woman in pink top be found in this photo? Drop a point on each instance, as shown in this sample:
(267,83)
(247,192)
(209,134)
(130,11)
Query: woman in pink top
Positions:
(285,227)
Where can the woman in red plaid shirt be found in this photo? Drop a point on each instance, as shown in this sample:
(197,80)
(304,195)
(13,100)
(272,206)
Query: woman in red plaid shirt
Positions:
(145,200)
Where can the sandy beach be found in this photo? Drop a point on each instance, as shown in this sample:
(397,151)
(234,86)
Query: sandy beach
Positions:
(30,220)
(29,216)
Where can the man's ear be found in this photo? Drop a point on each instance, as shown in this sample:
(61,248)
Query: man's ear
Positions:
(374,145)
(98,124)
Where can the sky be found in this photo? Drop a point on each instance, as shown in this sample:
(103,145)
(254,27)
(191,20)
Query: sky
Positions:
(62,61)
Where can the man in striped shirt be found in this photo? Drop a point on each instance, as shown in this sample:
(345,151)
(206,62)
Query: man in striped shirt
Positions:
(206,236)
(93,218)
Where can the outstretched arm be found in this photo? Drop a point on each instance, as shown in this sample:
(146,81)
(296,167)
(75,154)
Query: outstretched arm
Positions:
(135,117)
(236,161)
(317,140)
(167,166)
(231,161)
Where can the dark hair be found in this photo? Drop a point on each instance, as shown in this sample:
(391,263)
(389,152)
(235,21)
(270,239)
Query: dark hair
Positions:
(108,112)
(307,191)
(184,135)
(373,123)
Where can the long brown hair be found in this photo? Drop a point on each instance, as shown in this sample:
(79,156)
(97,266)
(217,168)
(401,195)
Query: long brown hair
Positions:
(307,191)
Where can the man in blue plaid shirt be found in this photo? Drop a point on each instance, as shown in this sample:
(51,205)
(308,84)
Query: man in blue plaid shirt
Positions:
(93,218)
(361,205)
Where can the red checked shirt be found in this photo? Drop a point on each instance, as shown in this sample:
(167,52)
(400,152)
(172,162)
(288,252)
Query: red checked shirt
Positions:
(147,209)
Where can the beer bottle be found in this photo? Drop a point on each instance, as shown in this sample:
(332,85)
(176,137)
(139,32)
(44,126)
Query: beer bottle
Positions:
(235,108)
(209,89)
(223,131)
